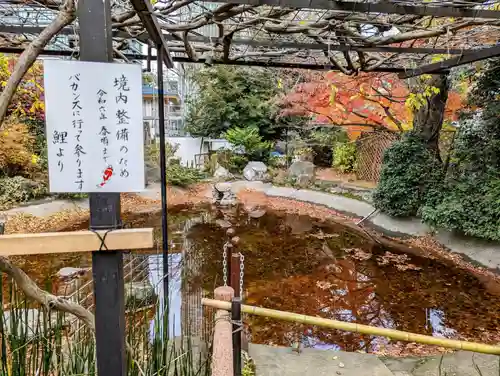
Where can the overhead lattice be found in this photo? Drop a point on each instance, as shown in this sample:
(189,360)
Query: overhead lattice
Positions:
(351,36)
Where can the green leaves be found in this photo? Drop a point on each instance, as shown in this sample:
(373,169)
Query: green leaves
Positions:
(248,139)
(344,157)
(411,176)
(229,97)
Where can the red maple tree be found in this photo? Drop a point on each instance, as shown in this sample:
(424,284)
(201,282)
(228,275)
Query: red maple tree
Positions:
(364,102)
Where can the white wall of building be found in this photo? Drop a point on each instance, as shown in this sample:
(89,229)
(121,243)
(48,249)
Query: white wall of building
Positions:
(188,147)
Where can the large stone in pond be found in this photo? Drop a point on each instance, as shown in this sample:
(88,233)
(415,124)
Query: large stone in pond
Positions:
(71,283)
(255,171)
(303,171)
(68,273)
(139,294)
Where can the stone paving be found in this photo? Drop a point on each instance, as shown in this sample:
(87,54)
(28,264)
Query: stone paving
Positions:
(281,361)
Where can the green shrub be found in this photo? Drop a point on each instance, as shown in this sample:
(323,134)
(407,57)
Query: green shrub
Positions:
(234,163)
(19,189)
(344,157)
(250,143)
(410,177)
(471,207)
(153,152)
(471,203)
(182,176)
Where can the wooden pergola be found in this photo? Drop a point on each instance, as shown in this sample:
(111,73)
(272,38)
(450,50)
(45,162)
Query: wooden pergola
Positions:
(405,37)
(395,36)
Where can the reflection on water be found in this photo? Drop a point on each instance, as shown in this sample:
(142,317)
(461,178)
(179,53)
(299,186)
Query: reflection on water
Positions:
(294,263)
(297,264)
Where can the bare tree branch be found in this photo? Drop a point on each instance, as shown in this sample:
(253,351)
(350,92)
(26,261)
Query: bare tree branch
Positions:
(46,299)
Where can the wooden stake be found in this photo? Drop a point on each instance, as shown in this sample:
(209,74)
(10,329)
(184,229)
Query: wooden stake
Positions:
(75,241)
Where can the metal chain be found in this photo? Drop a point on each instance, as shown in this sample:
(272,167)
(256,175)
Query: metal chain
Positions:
(242,273)
(224,263)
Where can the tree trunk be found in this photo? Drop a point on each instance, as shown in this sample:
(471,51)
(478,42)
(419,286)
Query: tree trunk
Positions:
(428,118)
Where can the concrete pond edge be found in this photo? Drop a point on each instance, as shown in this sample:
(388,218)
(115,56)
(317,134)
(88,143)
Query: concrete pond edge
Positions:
(478,251)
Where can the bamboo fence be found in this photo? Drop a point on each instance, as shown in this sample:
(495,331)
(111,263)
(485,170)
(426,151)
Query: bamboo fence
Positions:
(358,328)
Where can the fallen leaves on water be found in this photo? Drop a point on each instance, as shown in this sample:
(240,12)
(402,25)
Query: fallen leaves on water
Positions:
(322,235)
(400,261)
(358,253)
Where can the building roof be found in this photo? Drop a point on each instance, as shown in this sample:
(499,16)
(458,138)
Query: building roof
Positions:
(149,90)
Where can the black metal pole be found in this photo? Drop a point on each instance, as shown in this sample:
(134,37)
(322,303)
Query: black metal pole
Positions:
(96,44)
(237,330)
(148,61)
(163,168)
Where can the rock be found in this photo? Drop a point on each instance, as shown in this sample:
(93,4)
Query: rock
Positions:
(303,170)
(223,223)
(255,211)
(68,273)
(139,294)
(70,282)
(223,187)
(223,195)
(222,174)
(304,180)
(298,224)
(255,171)
(228,202)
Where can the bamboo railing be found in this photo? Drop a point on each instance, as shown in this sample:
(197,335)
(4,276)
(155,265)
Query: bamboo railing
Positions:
(358,328)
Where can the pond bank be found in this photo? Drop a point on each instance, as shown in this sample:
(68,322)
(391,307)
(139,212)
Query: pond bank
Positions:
(478,251)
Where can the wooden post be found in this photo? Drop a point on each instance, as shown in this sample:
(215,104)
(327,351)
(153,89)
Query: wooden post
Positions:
(222,353)
(235,274)
(96,44)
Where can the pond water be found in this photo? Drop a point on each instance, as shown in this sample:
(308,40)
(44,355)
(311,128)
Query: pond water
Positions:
(299,264)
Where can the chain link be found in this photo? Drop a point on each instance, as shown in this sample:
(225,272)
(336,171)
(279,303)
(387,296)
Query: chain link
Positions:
(224,263)
(242,273)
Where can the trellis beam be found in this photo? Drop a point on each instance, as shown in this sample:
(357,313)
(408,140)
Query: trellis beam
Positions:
(262,43)
(320,46)
(181,59)
(444,65)
(380,7)
(144,10)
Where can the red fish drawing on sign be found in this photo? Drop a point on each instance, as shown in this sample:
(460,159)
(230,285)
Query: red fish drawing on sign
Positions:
(106,176)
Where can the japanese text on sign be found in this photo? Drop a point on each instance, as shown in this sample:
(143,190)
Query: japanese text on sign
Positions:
(94,126)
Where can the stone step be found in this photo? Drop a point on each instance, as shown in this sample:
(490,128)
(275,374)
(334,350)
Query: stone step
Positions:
(278,361)
(282,361)
(460,363)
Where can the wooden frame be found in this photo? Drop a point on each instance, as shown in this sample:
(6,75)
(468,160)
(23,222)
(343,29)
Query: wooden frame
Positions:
(75,241)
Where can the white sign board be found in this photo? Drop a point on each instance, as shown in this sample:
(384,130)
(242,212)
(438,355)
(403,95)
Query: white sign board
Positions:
(94,126)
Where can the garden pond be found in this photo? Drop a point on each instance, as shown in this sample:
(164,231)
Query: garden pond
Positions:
(300,264)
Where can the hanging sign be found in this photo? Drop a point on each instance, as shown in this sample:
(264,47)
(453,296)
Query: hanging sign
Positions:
(94,126)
